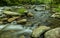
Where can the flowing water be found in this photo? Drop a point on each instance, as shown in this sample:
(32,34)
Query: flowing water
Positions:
(40,17)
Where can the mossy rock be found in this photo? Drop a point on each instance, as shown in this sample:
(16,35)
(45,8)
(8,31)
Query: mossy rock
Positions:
(21,10)
(16,10)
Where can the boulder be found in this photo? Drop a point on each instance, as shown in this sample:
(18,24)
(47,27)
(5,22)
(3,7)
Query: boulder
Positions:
(54,33)
(38,31)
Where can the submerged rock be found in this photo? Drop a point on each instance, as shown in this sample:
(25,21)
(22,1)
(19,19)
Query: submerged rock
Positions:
(38,31)
(54,33)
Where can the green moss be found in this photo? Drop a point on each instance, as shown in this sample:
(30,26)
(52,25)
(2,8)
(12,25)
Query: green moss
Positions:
(57,9)
(21,10)
(47,1)
(17,10)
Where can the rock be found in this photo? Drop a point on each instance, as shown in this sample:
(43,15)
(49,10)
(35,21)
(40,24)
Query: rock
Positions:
(22,36)
(33,6)
(12,19)
(4,19)
(57,15)
(22,21)
(1,22)
(26,11)
(27,6)
(5,35)
(12,31)
(29,14)
(10,13)
(38,31)
(6,8)
(39,8)
(54,33)
(47,7)
(36,9)
(11,27)
(27,36)
(22,10)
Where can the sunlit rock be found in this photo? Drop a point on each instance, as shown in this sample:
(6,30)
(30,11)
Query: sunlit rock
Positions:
(38,31)
(12,19)
(57,15)
(10,13)
(54,33)
(22,21)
